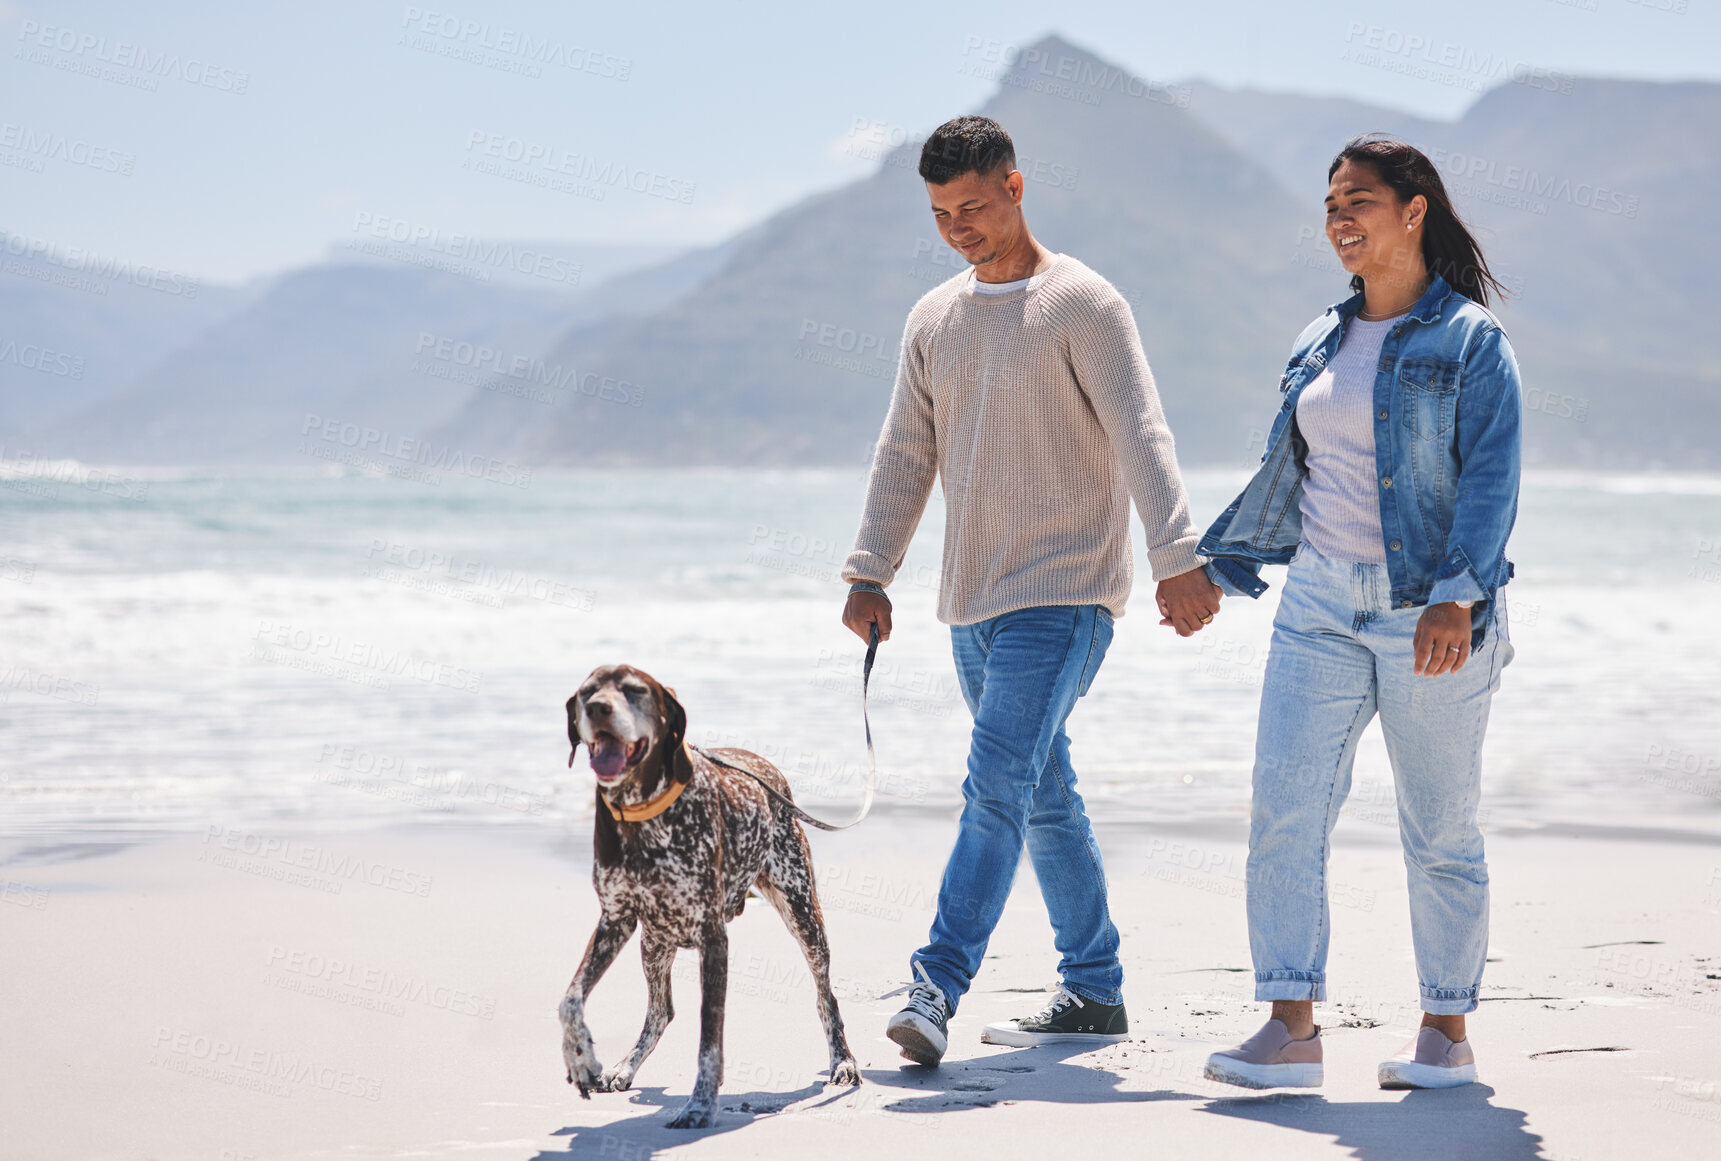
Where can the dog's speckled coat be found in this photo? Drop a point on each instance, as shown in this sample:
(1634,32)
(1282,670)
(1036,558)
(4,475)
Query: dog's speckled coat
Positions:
(680,878)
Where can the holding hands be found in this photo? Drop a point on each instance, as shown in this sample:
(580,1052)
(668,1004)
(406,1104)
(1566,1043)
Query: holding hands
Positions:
(1188,602)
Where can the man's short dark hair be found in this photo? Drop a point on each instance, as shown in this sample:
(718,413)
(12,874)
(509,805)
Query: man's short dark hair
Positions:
(966,145)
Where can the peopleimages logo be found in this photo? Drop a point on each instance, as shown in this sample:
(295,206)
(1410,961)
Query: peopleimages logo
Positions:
(102,265)
(49,685)
(88,47)
(554,161)
(39,145)
(224,845)
(251,1066)
(463,248)
(488,366)
(34,357)
(1076,78)
(1465,171)
(420,452)
(460,36)
(1444,62)
(480,576)
(283,641)
(381,983)
(36,475)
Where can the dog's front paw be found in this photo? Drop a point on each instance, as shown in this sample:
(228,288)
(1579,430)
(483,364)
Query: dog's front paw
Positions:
(695,1114)
(617,1079)
(579,1056)
(845,1072)
(587,1076)
(582,1064)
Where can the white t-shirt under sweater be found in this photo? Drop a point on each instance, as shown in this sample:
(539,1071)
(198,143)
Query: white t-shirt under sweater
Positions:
(1335,413)
(1006,287)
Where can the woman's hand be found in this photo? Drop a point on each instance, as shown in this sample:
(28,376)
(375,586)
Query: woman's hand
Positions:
(1442,639)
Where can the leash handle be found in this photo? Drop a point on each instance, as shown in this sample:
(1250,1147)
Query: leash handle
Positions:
(866,679)
(866,721)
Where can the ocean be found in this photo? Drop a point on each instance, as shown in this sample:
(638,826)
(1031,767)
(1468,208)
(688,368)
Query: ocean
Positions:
(329,649)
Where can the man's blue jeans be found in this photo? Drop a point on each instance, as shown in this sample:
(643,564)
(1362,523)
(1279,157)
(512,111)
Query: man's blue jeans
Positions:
(1021,673)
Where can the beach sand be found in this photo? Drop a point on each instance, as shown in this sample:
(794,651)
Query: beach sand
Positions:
(245,993)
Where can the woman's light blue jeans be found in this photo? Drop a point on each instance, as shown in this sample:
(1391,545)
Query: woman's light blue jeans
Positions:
(1341,653)
(1021,673)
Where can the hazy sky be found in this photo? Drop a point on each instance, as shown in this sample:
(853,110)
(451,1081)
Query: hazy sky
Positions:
(226,140)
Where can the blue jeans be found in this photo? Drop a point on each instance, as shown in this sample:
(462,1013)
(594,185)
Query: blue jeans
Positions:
(1341,653)
(1021,673)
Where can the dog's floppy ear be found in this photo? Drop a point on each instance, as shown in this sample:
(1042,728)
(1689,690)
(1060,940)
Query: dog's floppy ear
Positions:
(573,728)
(676,764)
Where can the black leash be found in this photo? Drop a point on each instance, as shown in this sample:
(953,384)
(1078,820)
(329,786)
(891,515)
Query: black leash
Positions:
(871,760)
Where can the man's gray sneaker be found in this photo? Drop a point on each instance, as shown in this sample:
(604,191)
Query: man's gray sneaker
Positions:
(1270,1059)
(1430,1061)
(1068,1019)
(920,1028)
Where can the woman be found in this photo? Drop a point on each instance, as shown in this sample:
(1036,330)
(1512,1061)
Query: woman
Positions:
(1389,486)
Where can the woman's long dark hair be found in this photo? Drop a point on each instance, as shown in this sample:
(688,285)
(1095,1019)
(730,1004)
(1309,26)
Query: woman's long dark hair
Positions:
(1448,249)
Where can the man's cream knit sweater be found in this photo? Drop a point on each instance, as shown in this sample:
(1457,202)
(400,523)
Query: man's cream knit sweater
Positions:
(1037,412)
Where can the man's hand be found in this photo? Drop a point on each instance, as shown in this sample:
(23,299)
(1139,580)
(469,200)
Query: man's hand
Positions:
(863,609)
(1188,601)
(1442,639)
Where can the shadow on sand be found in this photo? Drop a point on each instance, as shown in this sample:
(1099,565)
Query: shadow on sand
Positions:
(1426,1125)
(1022,1075)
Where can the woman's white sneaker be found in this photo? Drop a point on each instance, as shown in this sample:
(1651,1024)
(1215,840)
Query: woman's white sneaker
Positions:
(1270,1059)
(1430,1061)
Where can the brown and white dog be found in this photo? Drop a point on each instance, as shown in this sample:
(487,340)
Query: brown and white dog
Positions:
(691,838)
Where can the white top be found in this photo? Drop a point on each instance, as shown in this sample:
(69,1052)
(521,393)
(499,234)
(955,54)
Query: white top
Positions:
(1335,413)
(1006,287)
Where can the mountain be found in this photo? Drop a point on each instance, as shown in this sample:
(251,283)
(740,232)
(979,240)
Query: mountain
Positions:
(394,345)
(342,342)
(78,328)
(1593,199)
(504,419)
(578,265)
(1201,203)
(1296,136)
(787,353)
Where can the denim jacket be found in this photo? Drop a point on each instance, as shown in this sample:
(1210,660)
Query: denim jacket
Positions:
(1446,438)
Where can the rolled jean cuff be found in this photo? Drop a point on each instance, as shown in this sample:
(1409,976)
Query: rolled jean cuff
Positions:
(1449,1001)
(1290,986)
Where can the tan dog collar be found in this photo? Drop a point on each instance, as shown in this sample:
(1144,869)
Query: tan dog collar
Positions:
(645,811)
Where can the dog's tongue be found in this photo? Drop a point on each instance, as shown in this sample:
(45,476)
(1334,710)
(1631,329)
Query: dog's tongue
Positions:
(608,755)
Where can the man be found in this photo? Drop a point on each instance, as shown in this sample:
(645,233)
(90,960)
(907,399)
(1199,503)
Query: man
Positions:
(1023,388)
